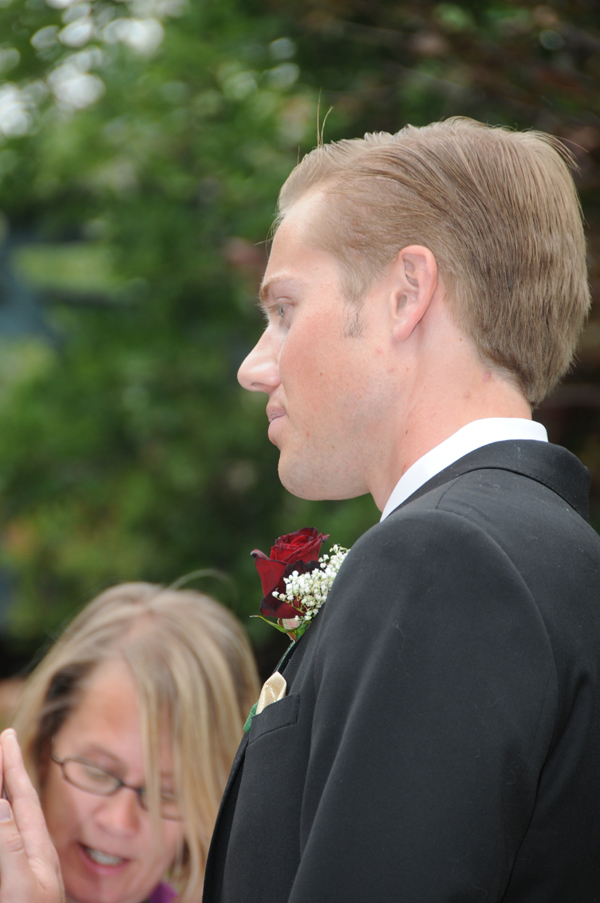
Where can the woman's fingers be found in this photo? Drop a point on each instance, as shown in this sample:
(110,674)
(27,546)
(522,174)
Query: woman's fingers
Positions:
(29,869)
(24,799)
(15,873)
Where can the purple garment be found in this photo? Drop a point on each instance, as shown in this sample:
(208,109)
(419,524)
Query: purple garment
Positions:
(162,894)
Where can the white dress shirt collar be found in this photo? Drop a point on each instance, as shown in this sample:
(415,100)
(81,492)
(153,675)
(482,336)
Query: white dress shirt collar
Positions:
(467,439)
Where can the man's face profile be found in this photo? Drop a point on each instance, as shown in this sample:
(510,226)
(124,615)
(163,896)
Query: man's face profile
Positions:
(325,388)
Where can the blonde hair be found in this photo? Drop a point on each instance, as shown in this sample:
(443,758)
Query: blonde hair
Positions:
(497,208)
(194,673)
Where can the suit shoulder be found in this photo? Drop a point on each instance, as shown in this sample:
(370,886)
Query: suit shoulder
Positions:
(434,513)
(504,504)
(491,529)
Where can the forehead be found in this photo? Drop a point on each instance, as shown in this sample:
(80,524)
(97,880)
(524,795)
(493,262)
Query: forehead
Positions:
(107,718)
(295,264)
(108,702)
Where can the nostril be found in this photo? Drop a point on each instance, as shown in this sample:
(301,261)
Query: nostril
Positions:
(258,375)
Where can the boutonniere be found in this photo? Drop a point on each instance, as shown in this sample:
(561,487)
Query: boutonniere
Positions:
(295,580)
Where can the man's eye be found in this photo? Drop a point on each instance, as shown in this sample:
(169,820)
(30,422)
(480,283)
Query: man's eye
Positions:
(281,309)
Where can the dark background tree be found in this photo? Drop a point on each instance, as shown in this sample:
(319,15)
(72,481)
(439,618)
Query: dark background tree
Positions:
(142,145)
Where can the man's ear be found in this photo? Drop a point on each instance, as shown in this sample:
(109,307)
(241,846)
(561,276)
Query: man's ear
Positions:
(414,282)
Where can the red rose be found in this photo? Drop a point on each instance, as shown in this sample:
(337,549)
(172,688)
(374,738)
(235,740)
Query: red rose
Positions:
(297,551)
(299,546)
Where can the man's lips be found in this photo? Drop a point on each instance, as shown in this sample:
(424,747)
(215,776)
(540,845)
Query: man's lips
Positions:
(274,412)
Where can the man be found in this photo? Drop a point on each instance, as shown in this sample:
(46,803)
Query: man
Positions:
(439,740)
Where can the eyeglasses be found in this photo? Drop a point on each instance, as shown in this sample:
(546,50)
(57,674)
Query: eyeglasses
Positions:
(90,777)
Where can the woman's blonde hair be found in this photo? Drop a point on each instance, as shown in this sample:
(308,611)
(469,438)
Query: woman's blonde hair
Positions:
(498,209)
(195,676)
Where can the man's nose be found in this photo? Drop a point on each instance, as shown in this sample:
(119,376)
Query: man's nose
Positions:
(120,813)
(259,372)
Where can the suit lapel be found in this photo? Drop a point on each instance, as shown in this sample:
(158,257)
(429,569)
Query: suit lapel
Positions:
(220,837)
(239,757)
(215,862)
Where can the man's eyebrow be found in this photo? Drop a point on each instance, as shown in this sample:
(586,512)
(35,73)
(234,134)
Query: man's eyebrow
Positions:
(267,287)
(263,293)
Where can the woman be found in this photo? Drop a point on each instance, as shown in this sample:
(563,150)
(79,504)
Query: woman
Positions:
(128,728)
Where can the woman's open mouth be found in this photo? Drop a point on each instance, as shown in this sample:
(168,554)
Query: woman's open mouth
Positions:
(102,858)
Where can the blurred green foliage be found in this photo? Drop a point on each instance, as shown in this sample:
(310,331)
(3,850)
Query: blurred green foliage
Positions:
(142,145)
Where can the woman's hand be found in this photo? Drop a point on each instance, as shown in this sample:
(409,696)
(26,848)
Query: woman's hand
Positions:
(29,868)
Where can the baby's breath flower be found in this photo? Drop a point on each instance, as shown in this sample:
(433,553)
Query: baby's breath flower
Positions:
(307,592)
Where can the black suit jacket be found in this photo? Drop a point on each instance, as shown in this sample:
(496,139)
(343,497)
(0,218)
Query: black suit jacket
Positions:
(440,740)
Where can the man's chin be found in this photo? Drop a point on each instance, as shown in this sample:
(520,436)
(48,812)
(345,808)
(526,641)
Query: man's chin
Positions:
(311,486)
(296,486)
